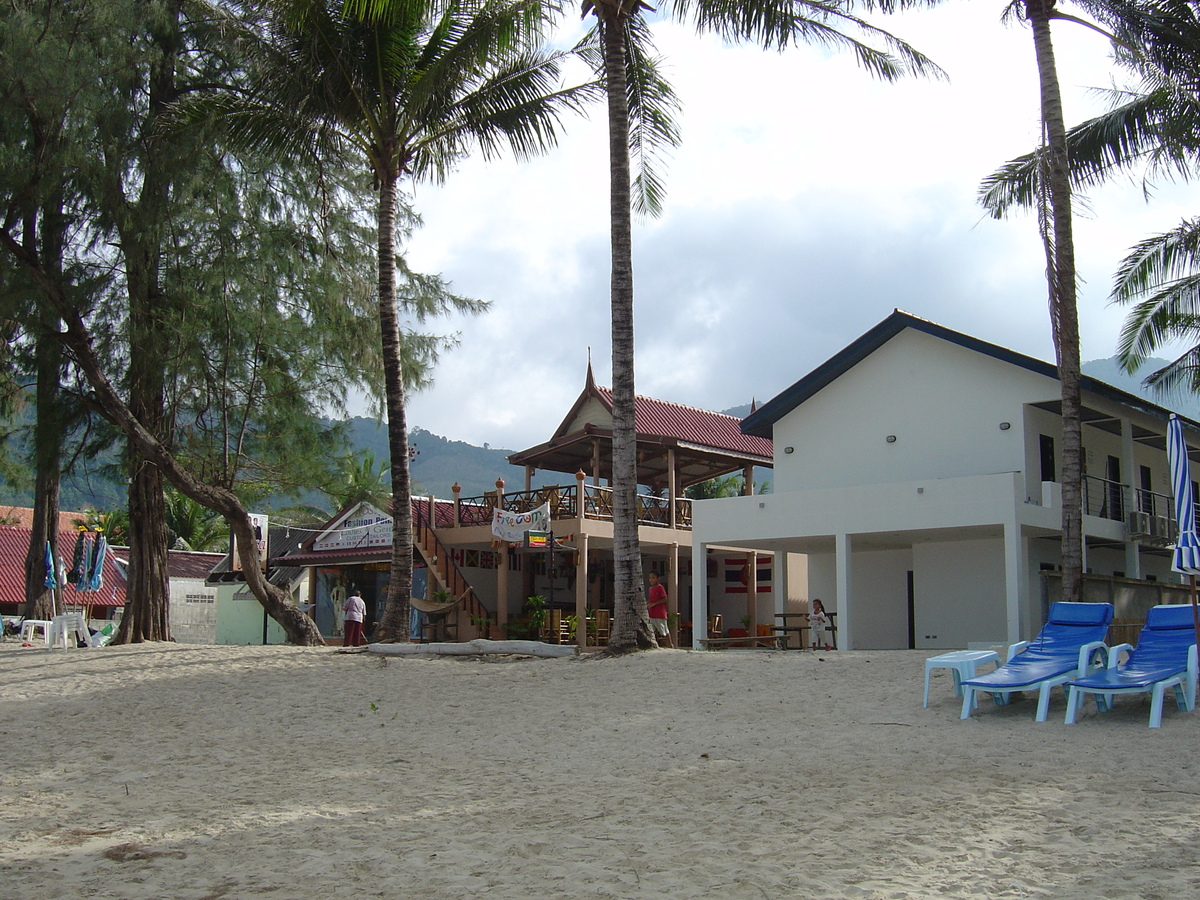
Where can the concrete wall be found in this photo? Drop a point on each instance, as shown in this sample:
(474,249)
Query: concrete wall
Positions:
(193,611)
(959,593)
(942,402)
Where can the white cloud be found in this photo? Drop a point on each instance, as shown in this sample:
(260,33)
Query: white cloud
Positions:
(806,202)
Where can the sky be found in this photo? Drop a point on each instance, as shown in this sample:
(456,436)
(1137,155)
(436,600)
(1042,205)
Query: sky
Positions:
(805,203)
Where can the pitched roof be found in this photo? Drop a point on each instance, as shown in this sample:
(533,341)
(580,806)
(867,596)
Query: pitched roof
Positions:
(14,544)
(761,421)
(718,431)
(22,516)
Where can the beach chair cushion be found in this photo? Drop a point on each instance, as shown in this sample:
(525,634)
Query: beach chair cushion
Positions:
(1055,651)
(1162,654)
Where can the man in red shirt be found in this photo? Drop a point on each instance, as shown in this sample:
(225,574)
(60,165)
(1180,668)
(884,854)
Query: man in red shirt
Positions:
(657,602)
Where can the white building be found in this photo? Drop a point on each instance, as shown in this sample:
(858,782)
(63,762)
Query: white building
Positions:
(917,469)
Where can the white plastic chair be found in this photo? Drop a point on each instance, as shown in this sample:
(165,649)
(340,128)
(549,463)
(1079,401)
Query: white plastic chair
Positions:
(29,626)
(67,630)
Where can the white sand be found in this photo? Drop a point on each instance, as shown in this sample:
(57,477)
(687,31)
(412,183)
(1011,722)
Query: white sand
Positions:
(198,773)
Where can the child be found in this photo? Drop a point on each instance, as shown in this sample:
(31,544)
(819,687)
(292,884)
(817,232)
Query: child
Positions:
(818,622)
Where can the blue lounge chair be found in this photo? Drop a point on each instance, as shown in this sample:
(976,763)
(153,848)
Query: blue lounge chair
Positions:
(1064,649)
(1165,657)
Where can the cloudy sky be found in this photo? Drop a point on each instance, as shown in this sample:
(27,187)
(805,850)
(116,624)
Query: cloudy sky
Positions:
(806,202)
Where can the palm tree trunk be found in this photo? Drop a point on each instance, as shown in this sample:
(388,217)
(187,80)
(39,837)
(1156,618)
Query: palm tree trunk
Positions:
(394,624)
(1060,265)
(631,621)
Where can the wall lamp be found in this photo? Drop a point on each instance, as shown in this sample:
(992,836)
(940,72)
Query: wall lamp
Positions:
(789,449)
(891,439)
(1004,426)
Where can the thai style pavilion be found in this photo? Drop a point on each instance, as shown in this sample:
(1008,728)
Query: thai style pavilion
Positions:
(474,584)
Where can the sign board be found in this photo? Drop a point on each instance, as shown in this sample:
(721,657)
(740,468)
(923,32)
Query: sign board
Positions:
(363,526)
(259,523)
(537,540)
(511,526)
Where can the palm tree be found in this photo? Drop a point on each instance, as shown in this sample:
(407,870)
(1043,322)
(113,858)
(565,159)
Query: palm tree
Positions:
(406,94)
(191,526)
(1045,179)
(623,37)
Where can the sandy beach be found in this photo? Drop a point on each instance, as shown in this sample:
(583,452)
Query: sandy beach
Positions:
(196,773)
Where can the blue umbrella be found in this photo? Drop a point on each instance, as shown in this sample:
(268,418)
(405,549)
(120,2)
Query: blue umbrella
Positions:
(51,581)
(96,576)
(1186,558)
(85,567)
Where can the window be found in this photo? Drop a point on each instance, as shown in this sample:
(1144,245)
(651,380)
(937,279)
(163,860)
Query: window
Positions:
(1049,469)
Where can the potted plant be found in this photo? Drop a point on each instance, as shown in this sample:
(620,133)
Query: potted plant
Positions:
(537,615)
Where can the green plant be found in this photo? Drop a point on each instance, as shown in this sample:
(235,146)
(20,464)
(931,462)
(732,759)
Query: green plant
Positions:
(746,621)
(482,624)
(572,625)
(440,596)
(537,613)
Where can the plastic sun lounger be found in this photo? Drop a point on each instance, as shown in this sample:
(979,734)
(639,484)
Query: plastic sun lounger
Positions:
(1165,657)
(1063,650)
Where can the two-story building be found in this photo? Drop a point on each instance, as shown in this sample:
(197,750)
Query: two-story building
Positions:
(917,470)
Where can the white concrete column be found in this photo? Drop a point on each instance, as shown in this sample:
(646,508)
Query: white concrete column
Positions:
(1015,575)
(752,592)
(699,593)
(842,547)
(673,591)
(581,589)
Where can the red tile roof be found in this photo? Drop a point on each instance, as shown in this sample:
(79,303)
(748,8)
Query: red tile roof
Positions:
(14,544)
(695,426)
(22,517)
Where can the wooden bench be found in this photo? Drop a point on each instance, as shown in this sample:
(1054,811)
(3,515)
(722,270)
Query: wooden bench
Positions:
(801,632)
(770,641)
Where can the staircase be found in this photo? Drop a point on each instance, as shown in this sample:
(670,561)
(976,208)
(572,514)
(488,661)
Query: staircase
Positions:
(447,576)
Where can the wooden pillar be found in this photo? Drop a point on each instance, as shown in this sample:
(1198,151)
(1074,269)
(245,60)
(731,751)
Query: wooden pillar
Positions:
(673,592)
(457,488)
(581,589)
(596,461)
(502,585)
(528,479)
(672,484)
(748,477)
(752,591)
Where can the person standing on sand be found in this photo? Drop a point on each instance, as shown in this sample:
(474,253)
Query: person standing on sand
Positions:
(818,626)
(356,612)
(657,603)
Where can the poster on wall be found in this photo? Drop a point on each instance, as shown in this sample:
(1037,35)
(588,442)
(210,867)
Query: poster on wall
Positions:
(258,522)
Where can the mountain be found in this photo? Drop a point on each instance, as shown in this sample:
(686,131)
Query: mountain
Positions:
(1110,372)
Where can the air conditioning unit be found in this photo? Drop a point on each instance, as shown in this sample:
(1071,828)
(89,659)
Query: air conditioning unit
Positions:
(1139,524)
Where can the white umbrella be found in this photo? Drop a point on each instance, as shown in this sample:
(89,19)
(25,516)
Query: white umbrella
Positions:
(1186,558)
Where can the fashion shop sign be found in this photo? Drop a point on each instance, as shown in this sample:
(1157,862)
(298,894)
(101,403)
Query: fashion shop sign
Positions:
(511,526)
(364,526)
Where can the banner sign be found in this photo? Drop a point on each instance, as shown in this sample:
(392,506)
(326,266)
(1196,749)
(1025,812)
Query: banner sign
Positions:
(365,526)
(510,526)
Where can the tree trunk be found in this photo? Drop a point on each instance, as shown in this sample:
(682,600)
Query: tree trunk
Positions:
(393,626)
(277,602)
(1060,274)
(49,426)
(631,620)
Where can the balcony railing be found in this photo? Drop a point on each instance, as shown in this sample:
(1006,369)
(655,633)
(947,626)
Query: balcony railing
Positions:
(564,502)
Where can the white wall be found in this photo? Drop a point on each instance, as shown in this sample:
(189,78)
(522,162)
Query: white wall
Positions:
(943,403)
(193,611)
(879,581)
(959,592)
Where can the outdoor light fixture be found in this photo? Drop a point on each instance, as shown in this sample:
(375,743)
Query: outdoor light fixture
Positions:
(891,439)
(1004,426)
(789,449)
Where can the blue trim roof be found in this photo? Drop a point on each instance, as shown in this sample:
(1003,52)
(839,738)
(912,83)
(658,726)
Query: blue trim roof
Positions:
(761,421)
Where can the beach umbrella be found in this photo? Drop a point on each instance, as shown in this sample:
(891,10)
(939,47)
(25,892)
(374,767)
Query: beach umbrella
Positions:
(85,564)
(1186,558)
(96,576)
(51,581)
(76,573)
